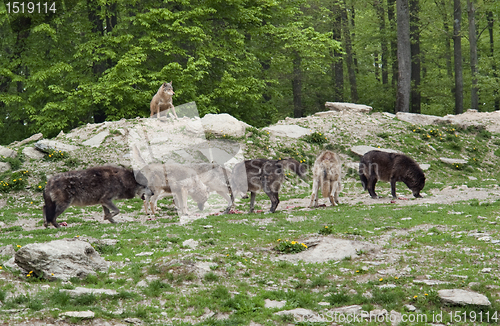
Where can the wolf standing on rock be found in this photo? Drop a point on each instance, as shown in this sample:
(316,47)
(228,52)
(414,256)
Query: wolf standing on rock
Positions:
(390,167)
(162,101)
(98,185)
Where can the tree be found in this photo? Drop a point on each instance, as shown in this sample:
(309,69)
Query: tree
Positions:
(457,54)
(404,57)
(349,54)
(416,98)
(471,12)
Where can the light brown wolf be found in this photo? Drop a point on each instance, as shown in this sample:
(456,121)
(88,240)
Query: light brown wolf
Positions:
(176,180)
(327,171)
(98,185)
(216,178)
(390,167)
(263,174)
(162,101)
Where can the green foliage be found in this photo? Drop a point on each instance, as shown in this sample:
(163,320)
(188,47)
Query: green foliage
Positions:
(325,230)
(287,247)
(55,155)
(14,181)
(315,138)
(15,162)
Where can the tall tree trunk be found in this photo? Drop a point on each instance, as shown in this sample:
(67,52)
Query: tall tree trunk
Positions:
(338,64)
(404,57)
(416,97)
(297,86)
(379,8)
(349,56)
(471,12)
(491,20)
(353,36)
(394,46)
(457,54)
(377,66)
(444,12)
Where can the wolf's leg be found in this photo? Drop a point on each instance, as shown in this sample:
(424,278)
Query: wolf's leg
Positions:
(274,201)
(371,186)
(252,201)
(51,211)
(393,188)
(314,196)
(228,199)
(336,190)
(173,111)
(110,210)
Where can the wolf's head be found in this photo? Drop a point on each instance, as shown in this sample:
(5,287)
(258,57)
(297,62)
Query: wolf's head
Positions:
(168,89)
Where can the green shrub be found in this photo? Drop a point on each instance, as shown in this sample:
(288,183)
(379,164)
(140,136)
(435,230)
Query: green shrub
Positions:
(315,138)
(287,247)
(325,230)
(55,155)
(15,181)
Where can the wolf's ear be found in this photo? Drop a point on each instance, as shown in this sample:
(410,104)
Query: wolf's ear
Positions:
(170,83)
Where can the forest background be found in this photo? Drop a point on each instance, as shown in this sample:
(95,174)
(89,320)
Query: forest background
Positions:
(88,61)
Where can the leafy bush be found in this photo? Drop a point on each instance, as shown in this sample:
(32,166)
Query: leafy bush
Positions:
(287,247)
(54,156)
(315,138)
(15,181)
(325,230)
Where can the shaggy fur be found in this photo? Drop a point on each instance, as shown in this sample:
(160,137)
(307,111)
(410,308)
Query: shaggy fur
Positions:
(216,178)
(263,174)
(177,180)
(327,176)
(162,101)
(98,185)
(390,167)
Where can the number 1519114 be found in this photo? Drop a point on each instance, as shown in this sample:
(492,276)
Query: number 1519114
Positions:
(30,7)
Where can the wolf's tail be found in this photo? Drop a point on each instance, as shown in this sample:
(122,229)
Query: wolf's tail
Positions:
(362,176)
(49,210)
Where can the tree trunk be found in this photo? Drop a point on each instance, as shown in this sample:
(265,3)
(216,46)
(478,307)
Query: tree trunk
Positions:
(349,56)
(297,86)
(491,20)
(379,8)
(416,97)
(457,54)
(394,46)
(404,57)
(338,64)
(471,12)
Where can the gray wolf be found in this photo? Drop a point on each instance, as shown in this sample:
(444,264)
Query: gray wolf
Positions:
(263,174)
(327,177)
(216,178)
(162,101)
(390,167)
(176,180)
(97,185)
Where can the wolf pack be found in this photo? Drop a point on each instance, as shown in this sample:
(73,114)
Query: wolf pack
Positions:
(101,185)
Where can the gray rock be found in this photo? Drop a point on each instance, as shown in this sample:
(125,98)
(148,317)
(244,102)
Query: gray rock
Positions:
(452,160)
(421,119)
(348,310)
(363,149)
(430,282)
(410,307)
(35,137)
(145,253)
(203,267)
(4,166)
(328,249)
(79,314)
(7,152)
(191,243)
(7,251)
(395,317)
(274,304)
(340,106)
(424,166)
(97,139)
(223,124)
(48,146)
(291,131)
(60,259)
(81,291)
(463,297)
(33,153)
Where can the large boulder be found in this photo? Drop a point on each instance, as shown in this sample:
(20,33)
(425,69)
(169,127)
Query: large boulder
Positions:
(351,107)
(7,152)
(291,131)
(463,297)
(97,139)
(35,137)
(48,146)
(421,119)
(223,124)
(33,153)
(60,259)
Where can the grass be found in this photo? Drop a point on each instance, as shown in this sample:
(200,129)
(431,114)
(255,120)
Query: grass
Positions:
(239,270)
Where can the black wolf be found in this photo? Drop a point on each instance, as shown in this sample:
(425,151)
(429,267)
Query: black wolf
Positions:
(98,185)
(390,167)
(263,174)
